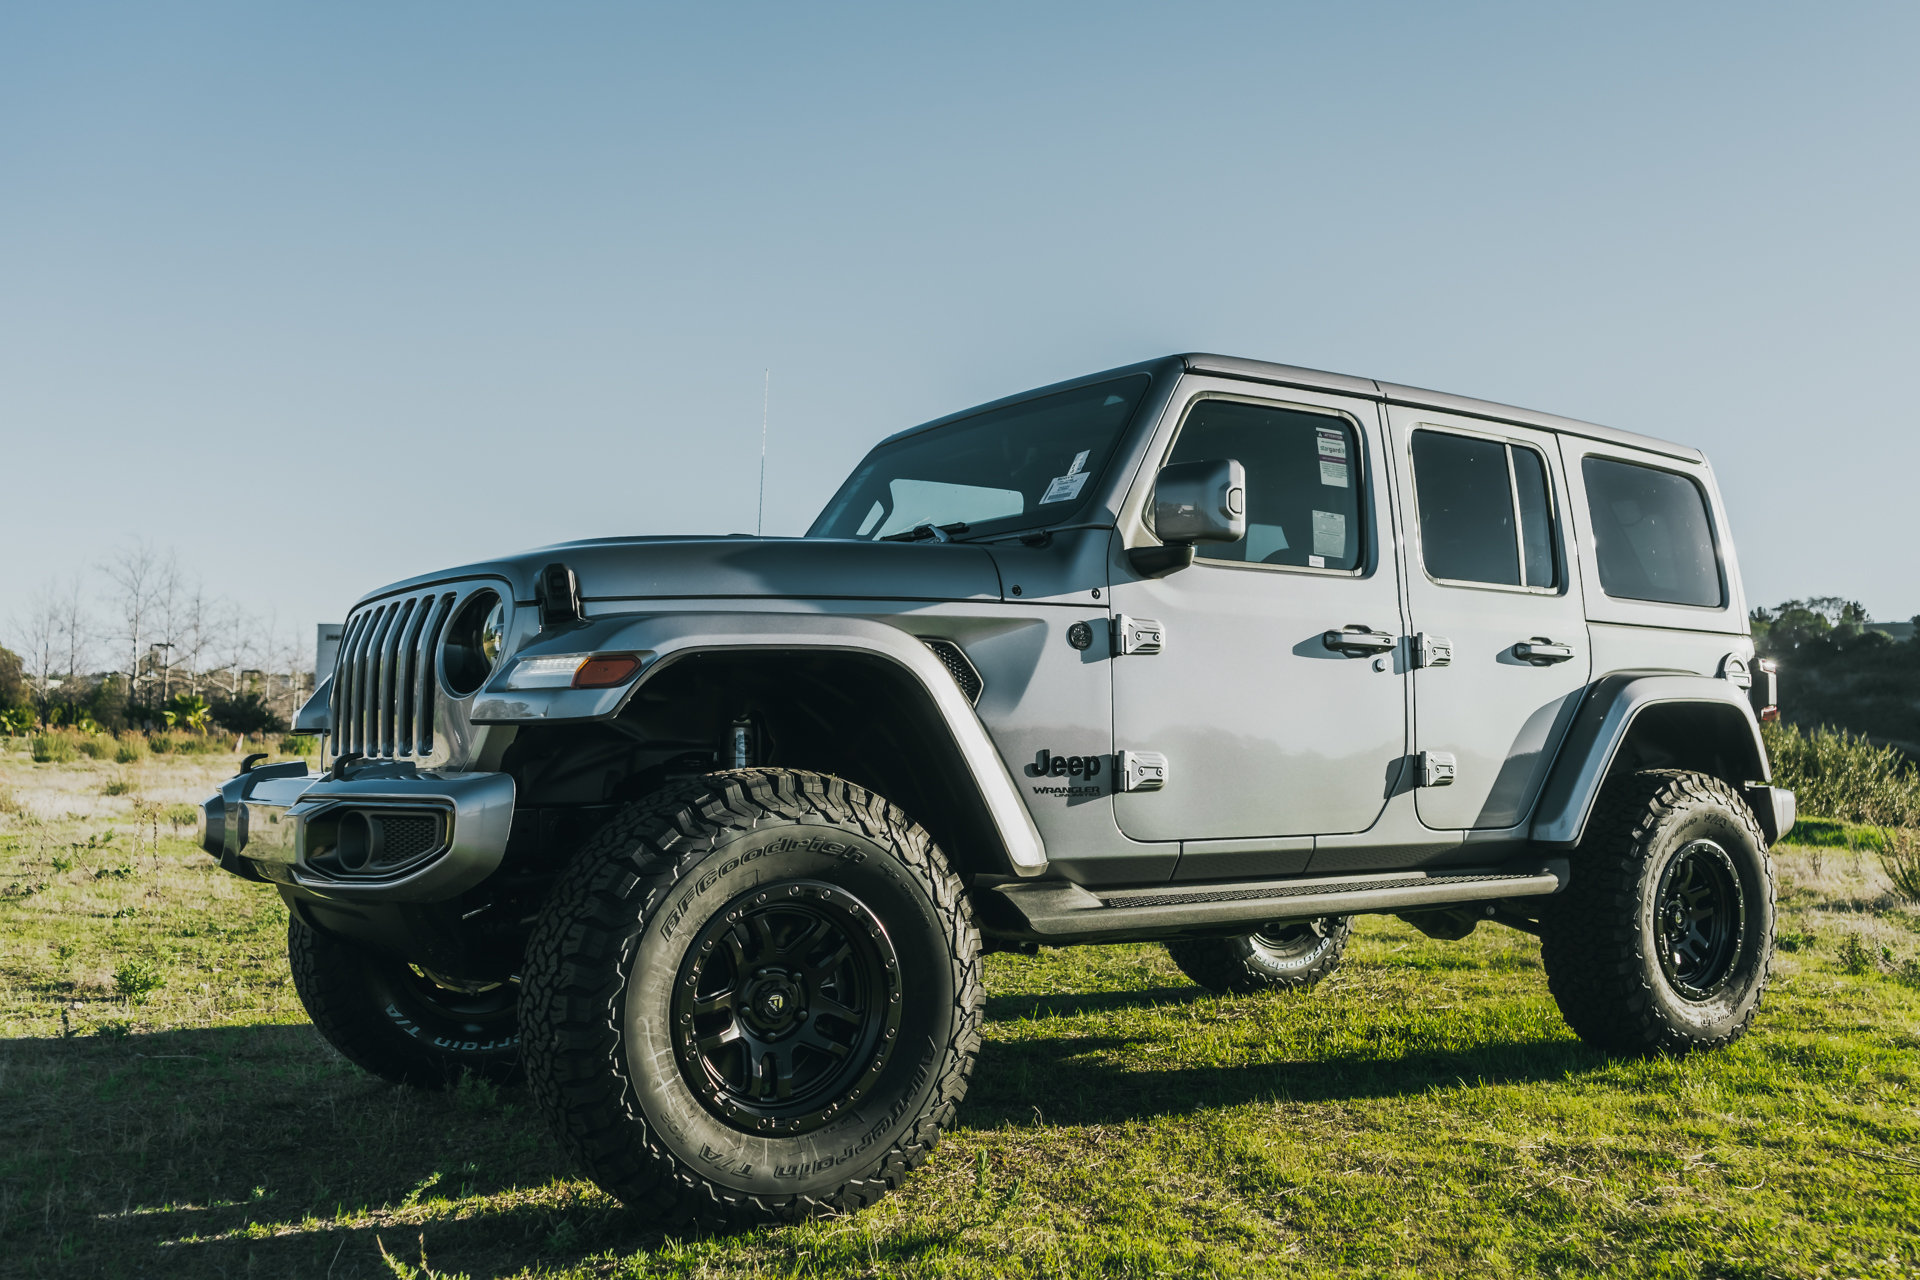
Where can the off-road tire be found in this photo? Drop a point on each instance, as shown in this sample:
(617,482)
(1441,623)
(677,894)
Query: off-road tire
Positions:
(398,1023)
(1602,939)
(1285,958)
(636,1102)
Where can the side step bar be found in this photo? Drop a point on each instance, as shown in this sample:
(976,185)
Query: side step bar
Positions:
(1058,909)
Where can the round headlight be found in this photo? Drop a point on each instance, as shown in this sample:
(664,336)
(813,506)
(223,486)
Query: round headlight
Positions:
(473,643)
(493,634)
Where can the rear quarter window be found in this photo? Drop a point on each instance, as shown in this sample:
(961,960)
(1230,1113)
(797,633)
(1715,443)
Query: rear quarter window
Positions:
(1652,538)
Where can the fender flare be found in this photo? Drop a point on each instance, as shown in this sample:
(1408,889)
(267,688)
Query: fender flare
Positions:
(1600,729)
(659,639)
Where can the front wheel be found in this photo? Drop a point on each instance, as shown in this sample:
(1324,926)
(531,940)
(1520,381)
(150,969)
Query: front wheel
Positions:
(402,1022)
(755,996)
(1663,938)
(1277,957)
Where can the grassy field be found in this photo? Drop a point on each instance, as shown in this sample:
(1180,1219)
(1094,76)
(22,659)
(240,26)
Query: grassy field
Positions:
(166,1111)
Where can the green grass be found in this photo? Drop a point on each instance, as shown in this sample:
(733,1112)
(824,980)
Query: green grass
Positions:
(1423,1113)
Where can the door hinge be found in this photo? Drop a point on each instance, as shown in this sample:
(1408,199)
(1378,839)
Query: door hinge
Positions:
(1437,768)
(1432,651)
(1137,635)
(1140,770)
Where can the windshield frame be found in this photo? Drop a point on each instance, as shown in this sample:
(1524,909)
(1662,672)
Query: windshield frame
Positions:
(1041,515)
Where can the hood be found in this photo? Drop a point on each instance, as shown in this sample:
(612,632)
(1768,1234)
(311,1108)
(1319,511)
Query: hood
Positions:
(617,570)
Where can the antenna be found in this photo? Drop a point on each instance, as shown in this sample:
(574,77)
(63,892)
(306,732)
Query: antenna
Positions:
(766,392)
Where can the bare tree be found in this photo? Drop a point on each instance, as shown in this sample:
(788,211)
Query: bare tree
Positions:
(134,572)
(76,633)
(39,641)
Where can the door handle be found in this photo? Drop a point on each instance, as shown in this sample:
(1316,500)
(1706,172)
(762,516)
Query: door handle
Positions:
(1542,652)
(1357,641)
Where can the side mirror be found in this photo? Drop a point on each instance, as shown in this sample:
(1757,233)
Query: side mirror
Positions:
(1193,502)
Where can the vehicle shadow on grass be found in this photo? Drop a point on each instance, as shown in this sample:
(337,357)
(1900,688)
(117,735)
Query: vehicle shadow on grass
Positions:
(258,1150)
(1012,1008)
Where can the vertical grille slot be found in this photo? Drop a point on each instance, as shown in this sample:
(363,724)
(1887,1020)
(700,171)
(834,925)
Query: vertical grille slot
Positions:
(385,679)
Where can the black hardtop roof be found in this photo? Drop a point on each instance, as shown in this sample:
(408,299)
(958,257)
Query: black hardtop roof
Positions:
(1287,375)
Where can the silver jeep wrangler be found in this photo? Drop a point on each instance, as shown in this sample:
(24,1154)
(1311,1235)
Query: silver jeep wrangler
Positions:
(707,836)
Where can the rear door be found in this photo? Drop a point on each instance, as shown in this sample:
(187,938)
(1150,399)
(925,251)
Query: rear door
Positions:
(1500,648)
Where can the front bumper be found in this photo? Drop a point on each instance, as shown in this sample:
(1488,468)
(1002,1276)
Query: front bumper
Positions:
(387,834)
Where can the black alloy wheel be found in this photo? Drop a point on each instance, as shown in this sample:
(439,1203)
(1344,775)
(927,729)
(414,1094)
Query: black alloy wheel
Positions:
(1662,940)
(787,1006)
(1702,918)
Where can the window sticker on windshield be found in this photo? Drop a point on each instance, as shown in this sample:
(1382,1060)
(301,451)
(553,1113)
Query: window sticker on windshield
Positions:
(1329,536)
(1067,487)
(1333,456)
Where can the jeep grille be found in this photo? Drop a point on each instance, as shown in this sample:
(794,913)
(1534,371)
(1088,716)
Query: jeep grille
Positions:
(386,684)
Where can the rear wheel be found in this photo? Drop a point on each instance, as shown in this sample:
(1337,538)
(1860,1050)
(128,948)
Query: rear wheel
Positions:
(1277,957)
(755,996)
(1663,939)
(399,1021)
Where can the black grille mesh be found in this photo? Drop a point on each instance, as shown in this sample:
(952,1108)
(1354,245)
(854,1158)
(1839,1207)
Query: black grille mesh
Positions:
(407,836)
(957,665)
(1291,891)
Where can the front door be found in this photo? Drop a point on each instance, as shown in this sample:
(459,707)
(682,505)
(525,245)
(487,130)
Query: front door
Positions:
(1502,634)
(1267,731)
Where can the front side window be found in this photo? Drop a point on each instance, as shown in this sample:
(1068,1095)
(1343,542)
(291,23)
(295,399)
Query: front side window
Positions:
(1023,465)
(1486,511)
(1303,482)
(1652,539)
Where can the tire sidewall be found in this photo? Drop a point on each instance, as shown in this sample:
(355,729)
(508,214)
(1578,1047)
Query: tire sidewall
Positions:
(445,1036)
(1263,960)
(846,1148)
(1717,1017)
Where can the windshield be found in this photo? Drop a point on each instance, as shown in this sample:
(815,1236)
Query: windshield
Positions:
(1022,465)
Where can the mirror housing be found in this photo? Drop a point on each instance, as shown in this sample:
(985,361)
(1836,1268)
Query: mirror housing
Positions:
(1193,502)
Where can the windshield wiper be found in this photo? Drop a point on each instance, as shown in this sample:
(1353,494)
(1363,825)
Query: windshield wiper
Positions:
(929,533)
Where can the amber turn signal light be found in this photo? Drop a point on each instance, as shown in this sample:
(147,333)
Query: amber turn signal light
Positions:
(604,670)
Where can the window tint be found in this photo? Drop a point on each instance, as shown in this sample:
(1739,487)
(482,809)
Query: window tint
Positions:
(1651,537)
(1536,518)
(1466,508)
(1303,482)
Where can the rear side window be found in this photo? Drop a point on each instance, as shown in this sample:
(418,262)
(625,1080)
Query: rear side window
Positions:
(1303,482)
(1486,511)
(1652,539)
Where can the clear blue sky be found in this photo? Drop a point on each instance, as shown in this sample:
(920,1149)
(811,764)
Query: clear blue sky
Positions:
(327,295)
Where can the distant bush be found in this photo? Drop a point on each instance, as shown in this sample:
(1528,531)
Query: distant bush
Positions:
(195,744)
(131,749)
(1901,858)
(162,744)
(298,744)
(247,713)
(55,748)
(181,815)
(119,786)
(96,746)
(1836,774)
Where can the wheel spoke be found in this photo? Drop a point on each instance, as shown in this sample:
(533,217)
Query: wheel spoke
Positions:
(808,940)
(826,968)
(729,1034)
(718,1002)
(814,1038)
(826,1006)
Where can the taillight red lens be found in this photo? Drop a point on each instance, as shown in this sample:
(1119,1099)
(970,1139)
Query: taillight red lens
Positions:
(1769,714)
(604,670)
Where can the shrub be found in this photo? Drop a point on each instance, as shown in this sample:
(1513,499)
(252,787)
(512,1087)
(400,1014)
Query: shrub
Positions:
(95,747)
(200,745)
(1855,958)
(1840,775)
(119,786)
(181,815)
(162,744)
(1900,855)
(131,749)
(137,979)
(54,748)
(298,744)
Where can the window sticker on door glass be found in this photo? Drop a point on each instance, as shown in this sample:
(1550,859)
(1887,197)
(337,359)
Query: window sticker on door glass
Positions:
(1067,487)
(1333,457)
(1329,536)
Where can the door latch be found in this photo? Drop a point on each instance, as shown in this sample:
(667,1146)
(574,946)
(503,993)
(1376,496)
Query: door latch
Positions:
(1437,768)
(1358,641)
(1141,770)
(1137,635)
(1432,651)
